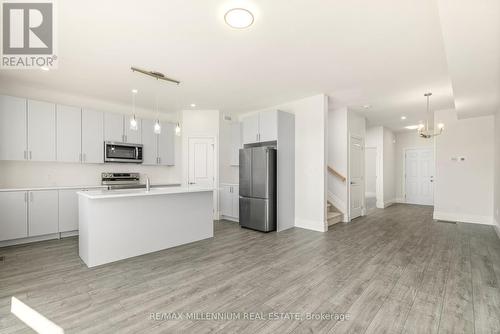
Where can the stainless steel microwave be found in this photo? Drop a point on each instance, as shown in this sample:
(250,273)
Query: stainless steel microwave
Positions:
(122,152)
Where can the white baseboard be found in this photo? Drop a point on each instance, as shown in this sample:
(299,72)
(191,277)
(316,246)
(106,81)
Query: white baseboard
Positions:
(399,200)
(389,202)
(29,240)
(313,225)
(463,218)
(497,227)
(337,202)
(233,219)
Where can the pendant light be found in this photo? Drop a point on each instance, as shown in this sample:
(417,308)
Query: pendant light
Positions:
(157,126)
(423,130)
(133,120)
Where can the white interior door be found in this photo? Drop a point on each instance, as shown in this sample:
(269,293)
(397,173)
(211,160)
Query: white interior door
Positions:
(356,173)
(201,162)
(419,176)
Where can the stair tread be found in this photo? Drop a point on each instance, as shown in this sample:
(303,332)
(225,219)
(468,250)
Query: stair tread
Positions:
(331,215)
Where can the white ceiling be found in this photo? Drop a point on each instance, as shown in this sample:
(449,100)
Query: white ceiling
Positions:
(386,53)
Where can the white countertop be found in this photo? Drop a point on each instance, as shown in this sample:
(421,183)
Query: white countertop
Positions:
(101,194)
(53,188)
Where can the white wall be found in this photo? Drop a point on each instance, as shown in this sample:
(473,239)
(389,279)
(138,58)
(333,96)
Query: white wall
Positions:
(464,189)
(337,157)
(389,166)
(370,171)
(406,140)
(375,139)
(310,159)
(496,206)
(227,173)
(14,174)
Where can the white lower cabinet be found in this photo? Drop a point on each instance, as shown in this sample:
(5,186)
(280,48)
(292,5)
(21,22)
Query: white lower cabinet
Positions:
(43,212)
(68,210)
(229,201)
(14,215)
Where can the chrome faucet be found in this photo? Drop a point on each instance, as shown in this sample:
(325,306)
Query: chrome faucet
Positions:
(148,184)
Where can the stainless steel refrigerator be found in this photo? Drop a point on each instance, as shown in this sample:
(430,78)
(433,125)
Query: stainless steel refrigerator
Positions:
(258,188)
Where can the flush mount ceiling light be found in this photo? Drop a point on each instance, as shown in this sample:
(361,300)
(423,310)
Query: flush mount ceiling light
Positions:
(239,18)
(403,117)
(193,105)
(423,130)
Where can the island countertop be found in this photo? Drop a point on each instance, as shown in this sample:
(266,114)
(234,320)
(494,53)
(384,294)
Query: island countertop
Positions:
(102,194)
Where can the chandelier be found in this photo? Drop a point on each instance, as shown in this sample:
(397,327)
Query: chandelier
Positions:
(423,129)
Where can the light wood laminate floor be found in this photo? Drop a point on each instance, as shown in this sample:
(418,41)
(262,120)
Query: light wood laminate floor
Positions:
(395,271)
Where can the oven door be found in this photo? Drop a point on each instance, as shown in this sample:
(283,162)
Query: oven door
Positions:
(122,152)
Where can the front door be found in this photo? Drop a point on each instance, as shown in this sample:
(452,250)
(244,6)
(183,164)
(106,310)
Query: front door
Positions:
(419,176)
(356,172)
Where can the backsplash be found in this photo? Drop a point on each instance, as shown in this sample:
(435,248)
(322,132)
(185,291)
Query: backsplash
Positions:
(19,174)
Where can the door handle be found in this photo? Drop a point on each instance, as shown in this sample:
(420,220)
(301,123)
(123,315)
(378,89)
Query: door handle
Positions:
(352,182)
(432,181)
(192,183)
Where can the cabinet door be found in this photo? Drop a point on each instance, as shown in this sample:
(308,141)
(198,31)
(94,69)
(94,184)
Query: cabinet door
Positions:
(14,215)
(43,212)
(113,127)
(41,131)
(132,136)
(236,201)
(268,126)
(235,143)
(68,210)
(166,144)
(13,134)
(149,143)
(250,129)
(92,136)
(69,133)
(226,202)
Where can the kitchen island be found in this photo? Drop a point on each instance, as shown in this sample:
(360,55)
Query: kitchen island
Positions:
(119,224)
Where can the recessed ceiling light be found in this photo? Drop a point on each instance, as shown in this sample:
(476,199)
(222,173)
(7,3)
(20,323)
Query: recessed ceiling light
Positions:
(44,68)
(193,105)
(239,18)
(412,127)
(367,106)
(403,117)
(135,91)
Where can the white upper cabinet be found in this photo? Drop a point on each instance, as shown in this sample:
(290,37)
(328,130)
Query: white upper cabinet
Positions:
(41,131)
(250,125)
(14,221)
(149,142)
(132,136)
(43,212)
(69,133)
(92,136)
(268,126)
(13,134)
(235,143)
(260,127)
(113,127)
(166,144)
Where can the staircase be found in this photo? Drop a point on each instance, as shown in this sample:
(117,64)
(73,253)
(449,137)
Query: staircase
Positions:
(333,215)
